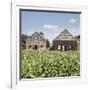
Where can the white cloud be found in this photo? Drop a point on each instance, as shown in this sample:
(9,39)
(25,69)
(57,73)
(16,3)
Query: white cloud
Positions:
(72,20)
(28,33)
(54,28)
(52,31)
(49,26)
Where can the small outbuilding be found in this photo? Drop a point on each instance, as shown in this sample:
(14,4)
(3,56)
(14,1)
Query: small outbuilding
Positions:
(65,41)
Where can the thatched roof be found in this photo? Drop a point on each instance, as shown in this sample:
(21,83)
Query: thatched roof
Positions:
(65,35)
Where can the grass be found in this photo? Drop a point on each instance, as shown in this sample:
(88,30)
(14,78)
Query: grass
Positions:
(44,63)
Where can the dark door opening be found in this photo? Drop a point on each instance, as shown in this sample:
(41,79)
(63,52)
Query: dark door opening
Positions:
(36,47)
(65,47)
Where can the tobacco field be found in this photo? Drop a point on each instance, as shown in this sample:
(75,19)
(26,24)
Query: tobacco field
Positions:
(45,63)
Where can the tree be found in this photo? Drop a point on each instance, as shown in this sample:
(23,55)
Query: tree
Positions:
(41,33)
(23,41)
(78,37)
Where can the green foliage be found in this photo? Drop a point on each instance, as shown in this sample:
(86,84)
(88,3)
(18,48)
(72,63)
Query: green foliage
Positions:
(23,41)
(41,64)
(78,37)
(41,33)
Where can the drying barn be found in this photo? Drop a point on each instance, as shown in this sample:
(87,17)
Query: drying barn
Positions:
(65,41)
(36,41)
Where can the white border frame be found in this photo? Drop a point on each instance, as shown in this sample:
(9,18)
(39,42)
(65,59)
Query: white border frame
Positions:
(15,82)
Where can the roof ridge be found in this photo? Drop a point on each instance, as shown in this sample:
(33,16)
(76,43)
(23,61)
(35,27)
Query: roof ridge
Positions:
(65,30)
(38,34)
(65,34)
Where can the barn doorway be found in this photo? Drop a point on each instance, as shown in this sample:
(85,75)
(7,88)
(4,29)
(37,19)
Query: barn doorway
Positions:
(64,48)
(35,47)
(59,47)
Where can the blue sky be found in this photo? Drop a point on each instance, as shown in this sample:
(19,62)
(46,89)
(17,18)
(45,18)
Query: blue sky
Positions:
(50,23)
